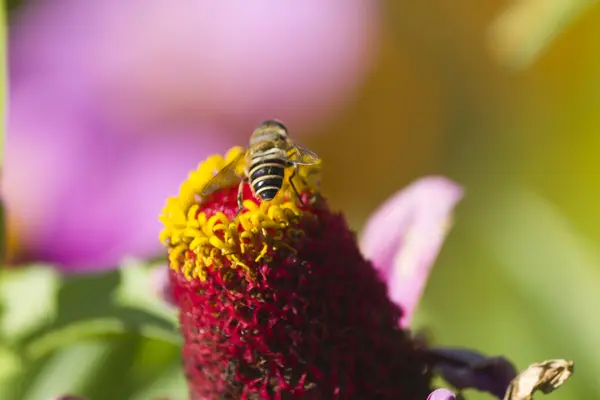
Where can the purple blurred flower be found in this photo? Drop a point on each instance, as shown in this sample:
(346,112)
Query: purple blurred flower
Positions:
(233,63)
(112,101)
(65,191)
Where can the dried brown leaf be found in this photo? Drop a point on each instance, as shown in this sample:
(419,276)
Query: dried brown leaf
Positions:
(545,377)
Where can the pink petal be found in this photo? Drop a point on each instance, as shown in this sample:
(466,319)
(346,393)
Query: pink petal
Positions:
(67,397)
(404,236)
(441,394)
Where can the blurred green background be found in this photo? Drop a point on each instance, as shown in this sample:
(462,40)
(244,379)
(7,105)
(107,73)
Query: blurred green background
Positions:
(503,97)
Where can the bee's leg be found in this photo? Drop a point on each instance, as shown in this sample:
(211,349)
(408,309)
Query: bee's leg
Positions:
(240,196)
(294,173)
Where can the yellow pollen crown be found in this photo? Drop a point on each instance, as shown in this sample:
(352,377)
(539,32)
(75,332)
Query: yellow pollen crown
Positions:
(198,242)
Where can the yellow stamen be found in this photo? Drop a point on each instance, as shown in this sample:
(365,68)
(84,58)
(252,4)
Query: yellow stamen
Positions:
(198,242)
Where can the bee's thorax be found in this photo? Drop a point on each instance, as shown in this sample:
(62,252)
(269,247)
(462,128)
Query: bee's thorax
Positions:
(270,133)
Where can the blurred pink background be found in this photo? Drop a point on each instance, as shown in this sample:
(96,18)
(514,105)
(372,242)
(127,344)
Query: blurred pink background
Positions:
(112,103)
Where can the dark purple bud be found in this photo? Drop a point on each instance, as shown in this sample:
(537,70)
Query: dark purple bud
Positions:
(464,368)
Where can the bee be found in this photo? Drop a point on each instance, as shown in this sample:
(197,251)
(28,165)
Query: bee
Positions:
(269,153)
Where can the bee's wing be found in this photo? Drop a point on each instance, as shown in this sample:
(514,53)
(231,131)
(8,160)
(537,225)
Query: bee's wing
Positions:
(226,174)
(303,156)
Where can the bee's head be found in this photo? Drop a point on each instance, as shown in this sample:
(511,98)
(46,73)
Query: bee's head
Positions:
(271,130)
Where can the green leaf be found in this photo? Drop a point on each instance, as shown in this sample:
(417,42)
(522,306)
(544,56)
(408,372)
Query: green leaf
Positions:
(530,235)
(136,290)
(120,366)
(44,311)
(10,364)
(69,370)
(27,299)
(102,335)
(122,321)
(158,373)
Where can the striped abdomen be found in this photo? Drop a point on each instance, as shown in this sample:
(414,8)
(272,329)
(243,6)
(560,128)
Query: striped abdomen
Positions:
(266,174)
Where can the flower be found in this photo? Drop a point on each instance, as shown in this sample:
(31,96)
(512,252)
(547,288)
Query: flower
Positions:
(276,300)
(99,123)
(229,63)
(279,302)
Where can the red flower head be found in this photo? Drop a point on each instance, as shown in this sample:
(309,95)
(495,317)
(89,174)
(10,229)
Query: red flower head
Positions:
(279,303)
